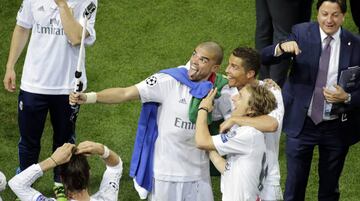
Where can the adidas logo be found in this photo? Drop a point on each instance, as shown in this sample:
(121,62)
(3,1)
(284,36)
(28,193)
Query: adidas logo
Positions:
(41,8)
(183,101)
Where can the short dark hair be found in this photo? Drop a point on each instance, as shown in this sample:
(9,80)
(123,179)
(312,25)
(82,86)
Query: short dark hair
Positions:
(250,58)
(75,174)
(341,3)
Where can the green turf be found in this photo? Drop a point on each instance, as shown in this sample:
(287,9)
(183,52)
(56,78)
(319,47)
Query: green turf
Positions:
(135,39)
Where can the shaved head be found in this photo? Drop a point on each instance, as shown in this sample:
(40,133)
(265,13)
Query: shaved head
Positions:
(215,49)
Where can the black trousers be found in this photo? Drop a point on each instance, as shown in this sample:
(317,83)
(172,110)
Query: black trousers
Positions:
(333,147)
(32,112)
(355,11)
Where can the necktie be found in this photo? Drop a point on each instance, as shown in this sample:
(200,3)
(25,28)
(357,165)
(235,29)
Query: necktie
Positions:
(317,108)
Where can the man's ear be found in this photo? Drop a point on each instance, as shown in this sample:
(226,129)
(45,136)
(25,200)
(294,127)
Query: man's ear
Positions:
(215,68)
(250,74)
(249,112)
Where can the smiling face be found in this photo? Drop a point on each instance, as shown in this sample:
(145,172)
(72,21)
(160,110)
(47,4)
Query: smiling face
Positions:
(330,17)
(236,73)
(203,62)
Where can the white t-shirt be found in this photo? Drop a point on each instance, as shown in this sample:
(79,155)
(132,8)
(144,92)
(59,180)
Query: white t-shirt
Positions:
(108,191)
(223,108)
(51,60)
(176,157)
(245,149)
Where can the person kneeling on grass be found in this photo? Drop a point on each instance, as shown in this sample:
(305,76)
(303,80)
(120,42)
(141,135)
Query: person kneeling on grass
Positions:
(75,174)
(245,166)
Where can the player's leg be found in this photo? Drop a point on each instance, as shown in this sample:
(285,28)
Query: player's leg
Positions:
(63,128)
(32,111)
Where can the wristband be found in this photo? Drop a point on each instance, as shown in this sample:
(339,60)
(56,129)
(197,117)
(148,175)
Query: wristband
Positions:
(54,161)
(91,97)
(203,108)
(106,152)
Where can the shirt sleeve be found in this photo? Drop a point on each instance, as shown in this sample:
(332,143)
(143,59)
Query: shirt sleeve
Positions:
(90,23)
(155,88)
(237,141)
(278,113)
(109,187)
(25,16)
(21,183)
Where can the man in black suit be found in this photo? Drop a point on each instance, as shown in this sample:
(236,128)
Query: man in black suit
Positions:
(321,51)
(274,19)
(355,11)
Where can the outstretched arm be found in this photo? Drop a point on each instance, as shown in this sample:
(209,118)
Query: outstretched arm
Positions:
(109,96)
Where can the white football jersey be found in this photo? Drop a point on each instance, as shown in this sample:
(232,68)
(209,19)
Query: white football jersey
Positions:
(51,60)
(176,157)
(224,106)
(108,191)
(245,149)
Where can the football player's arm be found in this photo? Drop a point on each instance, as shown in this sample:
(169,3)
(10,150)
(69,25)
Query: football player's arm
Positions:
(21,184)
(203,138)
(19,39)
(72,28)
(109,96)
(218,161)
(264,123)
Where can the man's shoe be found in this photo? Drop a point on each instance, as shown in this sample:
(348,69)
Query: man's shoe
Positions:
(59,192)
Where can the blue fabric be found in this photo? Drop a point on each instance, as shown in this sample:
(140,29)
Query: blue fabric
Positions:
(197,89)
(141,167)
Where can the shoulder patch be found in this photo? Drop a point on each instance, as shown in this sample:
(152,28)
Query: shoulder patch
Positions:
(231,134)
(151,81)
(223,138)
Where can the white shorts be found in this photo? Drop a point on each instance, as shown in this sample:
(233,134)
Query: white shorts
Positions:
(271,193)
(181,191)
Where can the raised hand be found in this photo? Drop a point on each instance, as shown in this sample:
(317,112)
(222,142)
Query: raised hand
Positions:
(288,47)
(208,101)
(90,148)
(63,154)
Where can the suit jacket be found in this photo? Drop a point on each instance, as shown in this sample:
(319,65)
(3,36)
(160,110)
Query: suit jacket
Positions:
(299,87)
